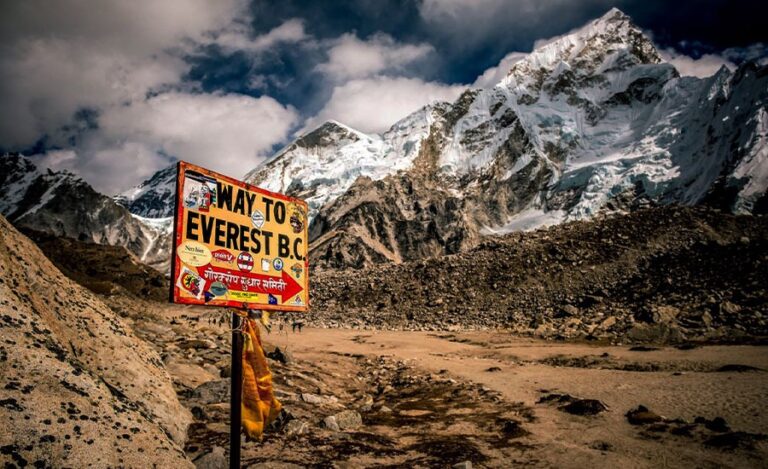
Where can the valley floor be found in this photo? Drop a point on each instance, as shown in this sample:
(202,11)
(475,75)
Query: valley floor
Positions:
(431,399)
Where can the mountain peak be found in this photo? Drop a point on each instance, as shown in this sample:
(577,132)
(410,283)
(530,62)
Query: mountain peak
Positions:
(328,133)
(614,14)
(611,42)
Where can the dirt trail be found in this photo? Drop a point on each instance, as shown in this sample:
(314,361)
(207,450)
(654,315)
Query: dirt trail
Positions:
(677,384)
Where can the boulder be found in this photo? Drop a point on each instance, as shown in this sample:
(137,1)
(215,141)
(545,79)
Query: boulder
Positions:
(641,415)
(349,420)
(212,392)
(281,355)
(215,459)
(584,407)
(318,400)
(296,427)
(330,423)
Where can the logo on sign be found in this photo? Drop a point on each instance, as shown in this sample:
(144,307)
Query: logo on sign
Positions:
(223,255)
(277,264)
(257,219)
(218,289)
(272,299)
(245,262)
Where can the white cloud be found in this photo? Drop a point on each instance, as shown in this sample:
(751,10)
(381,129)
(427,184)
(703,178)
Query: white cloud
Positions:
(121,59)
(236,37)
(350,57)
(224,132)
(374,104)
(59,57)
(367,88)
(494,75)
(704,66)
(43,82)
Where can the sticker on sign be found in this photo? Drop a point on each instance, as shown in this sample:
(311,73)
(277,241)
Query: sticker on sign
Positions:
(222,229)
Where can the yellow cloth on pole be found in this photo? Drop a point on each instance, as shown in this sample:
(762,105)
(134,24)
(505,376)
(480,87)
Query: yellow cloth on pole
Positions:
(259,405)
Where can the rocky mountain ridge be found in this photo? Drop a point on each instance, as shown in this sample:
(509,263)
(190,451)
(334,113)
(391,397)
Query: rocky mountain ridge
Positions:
(594,122)
(62,204)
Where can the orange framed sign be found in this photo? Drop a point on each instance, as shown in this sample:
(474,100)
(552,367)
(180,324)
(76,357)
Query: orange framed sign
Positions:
(237,245)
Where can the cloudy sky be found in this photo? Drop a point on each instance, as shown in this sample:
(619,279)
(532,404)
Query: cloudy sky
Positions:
(115,90)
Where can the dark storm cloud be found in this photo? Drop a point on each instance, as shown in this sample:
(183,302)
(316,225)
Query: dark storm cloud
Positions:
(472,35)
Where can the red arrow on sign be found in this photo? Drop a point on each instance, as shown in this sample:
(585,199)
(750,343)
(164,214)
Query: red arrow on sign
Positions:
(285,285)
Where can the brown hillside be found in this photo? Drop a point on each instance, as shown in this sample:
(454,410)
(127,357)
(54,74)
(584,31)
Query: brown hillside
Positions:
(78,388)
(661,274)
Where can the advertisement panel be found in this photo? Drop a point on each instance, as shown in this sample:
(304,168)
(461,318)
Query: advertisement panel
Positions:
(235,244)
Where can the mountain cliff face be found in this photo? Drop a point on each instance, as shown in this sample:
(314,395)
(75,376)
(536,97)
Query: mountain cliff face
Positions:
(593,122)
(62,204)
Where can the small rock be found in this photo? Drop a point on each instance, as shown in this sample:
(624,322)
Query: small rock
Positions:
(643,348)
(513,429)
(608,322)
(331,424)
(283,356)
(348,420)
(584,407)
(717,424)
(738,368)
(197,344)
(436,302)
(463,465)
(642,415)
(216,459)
(315,399)
(665,314)
(726,307)
(212,392)
(296,427)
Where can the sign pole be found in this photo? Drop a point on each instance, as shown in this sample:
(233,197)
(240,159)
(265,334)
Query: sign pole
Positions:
(236,388)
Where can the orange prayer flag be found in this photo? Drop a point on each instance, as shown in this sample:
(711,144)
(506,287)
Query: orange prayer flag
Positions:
(259,405)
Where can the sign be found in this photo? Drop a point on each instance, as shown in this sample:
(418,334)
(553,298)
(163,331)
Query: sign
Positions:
(236,244)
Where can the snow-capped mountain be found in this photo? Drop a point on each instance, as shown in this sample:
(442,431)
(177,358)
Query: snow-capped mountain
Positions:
(595,121)
(322,164)
(62,204)
(152,198)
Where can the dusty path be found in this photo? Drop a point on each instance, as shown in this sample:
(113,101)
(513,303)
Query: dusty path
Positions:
(677,384)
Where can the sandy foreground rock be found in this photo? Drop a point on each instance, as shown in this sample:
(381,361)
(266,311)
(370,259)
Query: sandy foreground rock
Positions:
(78,388)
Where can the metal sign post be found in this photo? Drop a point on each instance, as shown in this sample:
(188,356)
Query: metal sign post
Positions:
(236,391)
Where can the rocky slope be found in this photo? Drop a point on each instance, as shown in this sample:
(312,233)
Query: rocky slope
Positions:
(593,122)
(79,389)
(668,274)
(105,270)
(62,204)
